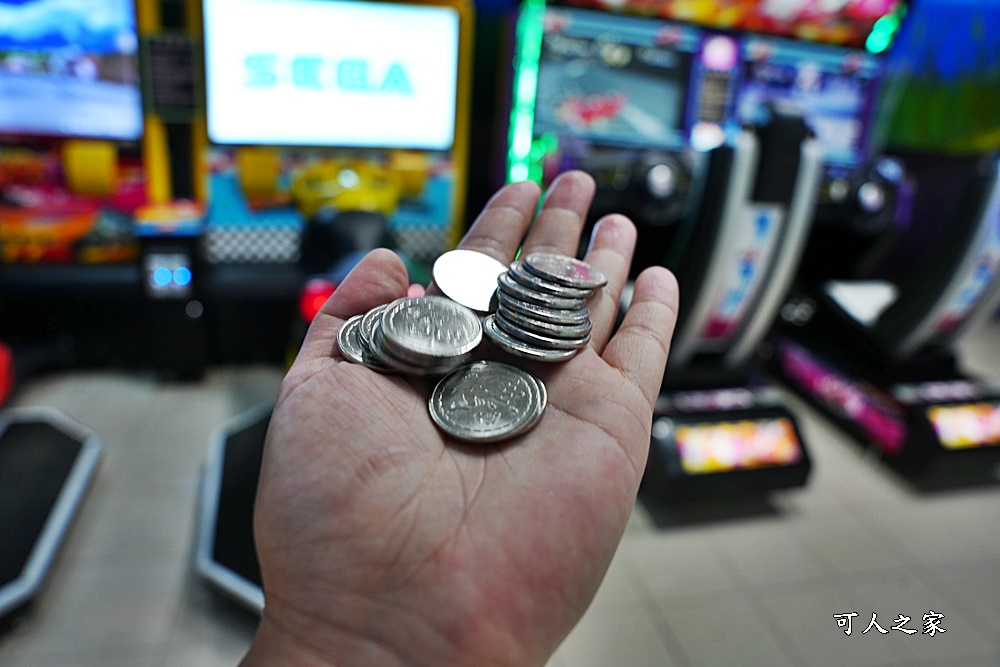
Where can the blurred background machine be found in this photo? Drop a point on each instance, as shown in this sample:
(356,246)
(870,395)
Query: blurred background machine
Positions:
(335,127)
(872,344)
(727,133)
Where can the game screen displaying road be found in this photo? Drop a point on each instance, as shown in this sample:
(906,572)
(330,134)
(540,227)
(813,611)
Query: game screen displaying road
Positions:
(844,22)
(69,68)
(737,445)
(833,88)
(614,80)
(332,73)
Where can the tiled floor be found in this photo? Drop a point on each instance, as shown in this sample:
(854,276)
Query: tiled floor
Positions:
(753,591)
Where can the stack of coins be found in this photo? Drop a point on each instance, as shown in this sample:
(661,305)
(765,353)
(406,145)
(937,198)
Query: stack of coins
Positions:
(541,311)
(428,335)
(541,314)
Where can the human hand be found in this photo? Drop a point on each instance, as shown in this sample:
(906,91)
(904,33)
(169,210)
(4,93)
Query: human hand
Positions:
(382,541)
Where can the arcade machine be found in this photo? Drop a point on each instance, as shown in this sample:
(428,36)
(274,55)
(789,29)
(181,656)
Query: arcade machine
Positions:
(84,155)
(877,356)
(71,169)
(335,126)
(614,94)
(332,128)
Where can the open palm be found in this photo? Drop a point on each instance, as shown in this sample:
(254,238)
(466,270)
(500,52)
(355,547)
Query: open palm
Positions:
(384,542)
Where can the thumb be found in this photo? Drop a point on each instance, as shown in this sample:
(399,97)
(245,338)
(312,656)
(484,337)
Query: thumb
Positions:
(380,277)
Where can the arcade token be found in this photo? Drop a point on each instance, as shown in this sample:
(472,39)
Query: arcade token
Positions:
(347,340)
(368,323)
(518,347)
(387,358)
(571,317)
(521,274)
(564,270)
(562,331)
(546,342)
(515,289)
(487,401)
(430,328)
(468,277)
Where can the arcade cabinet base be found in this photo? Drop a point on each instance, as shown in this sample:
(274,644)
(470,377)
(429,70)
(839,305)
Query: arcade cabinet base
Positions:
(735,442)
(924,430)
(225,554)
(46,464)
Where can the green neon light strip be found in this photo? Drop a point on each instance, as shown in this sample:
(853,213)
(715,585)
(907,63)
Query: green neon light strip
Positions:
(530,29)
(884,30)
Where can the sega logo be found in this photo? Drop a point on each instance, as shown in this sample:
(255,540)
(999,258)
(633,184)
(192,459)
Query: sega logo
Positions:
(319,73)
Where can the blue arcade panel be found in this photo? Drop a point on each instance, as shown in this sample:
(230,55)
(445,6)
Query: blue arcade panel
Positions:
(836,90)
(69,69)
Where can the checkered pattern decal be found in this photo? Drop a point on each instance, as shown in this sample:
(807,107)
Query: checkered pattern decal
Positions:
(422,244)
(254,245)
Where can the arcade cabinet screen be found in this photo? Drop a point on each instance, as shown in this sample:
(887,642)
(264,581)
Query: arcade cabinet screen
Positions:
(736,445)
(834,89)
(69,68)
(966,425)
(856,23)
(614,80)
(331,73)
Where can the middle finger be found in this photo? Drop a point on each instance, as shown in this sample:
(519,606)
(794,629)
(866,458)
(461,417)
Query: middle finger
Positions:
(558,225)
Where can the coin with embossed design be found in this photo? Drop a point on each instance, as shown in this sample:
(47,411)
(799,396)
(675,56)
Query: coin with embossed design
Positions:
(487,401)
(575,316)
(432,327)
(511,287)
(347,340)
(540,340)
(522,275)
(542,327)
(519,348)
(564,270)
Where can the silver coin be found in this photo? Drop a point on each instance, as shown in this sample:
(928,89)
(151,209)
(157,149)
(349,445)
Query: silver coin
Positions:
(487,401)
(468,277)
(532,338)
(431,326)
(347,340)
(574,316)
(522,275)
(519,348)
(390,360)
(368,323)
(545,328)
(519,291)
(564,270)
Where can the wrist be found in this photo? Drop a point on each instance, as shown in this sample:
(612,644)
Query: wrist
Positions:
(283,642)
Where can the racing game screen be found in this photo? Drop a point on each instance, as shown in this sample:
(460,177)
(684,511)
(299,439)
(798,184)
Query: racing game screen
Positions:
(855,23)
(833,88)
(614,80)
(69,69)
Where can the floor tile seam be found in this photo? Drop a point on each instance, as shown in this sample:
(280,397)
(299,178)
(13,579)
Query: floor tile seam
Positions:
(653,611)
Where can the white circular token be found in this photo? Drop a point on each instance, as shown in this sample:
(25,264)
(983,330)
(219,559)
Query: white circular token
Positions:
(468,277)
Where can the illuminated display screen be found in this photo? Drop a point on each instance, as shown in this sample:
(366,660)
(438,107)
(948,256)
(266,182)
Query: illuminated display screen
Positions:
(331,73)
(966,425)
(736,445)
(614,80)
(69,69)
(834,89)
(857,23)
